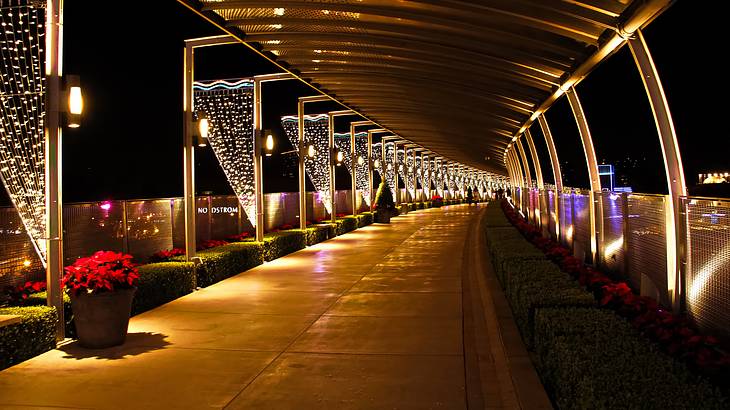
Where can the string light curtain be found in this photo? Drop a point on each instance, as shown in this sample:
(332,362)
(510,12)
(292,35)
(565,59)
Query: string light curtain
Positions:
(378,156)
(228,105)
(401,161)
(316,133)
(390,171)
(22,114)
(438,177)
(410,174)
(362,178)
(423,175)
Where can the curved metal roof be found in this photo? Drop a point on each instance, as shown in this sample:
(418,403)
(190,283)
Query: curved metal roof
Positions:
(460,78)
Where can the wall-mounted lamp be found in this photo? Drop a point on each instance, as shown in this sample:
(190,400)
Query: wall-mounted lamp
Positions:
(390,167)
(360,160)
(337,156)
(201,137)
(75,103)
(311,152)
(268,143)
(376,164)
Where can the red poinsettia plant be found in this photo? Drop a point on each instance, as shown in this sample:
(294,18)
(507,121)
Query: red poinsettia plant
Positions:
(17,295)
(104,271)
(238,238)
(166,255)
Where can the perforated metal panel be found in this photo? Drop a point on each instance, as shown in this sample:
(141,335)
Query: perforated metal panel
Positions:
(90,227)
(17,251)
(611,232)
(149,227)
(566,219)
(227,217)
(708,264)
(582,227)
(647,245)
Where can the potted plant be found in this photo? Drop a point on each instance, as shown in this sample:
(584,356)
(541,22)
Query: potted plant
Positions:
(101,288)
(384,204)
(437,201)
(469,196)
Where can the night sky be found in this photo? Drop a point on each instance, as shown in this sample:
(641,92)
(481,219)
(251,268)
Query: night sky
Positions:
(130,63)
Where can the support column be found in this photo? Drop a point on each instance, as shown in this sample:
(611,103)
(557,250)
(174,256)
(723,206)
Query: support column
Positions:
(395,173)
(672,163)
(302,177)
(332,166)
(592,163)
(535,160)
(53,145)
(353,166)
(370,171)
(258,164)
(557,174)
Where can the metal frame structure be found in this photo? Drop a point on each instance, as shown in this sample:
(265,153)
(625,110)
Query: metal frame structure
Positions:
(353,161)
(259,80)
(302,153)
(332,166)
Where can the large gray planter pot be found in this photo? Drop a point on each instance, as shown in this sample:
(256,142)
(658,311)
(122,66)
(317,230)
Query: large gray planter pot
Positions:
(102,319)
(383,216)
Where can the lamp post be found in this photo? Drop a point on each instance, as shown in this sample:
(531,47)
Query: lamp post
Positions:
(302,152)
(372,164)
(258,164)
(189,133)
(333,160)
(353,154)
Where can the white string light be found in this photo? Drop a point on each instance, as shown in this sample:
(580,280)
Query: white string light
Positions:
(390,171)
(316,133)
(438,176)
(410,173)
(342,142)
(22,93)
(229,108)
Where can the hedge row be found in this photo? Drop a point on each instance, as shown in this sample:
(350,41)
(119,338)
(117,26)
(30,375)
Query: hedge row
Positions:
(587,357)
(591,358)
(33,335)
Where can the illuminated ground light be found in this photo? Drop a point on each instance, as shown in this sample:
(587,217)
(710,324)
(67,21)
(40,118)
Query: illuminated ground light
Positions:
(316,134)
(22,84)
(229,108)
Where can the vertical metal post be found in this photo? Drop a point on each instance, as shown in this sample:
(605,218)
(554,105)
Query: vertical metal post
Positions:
(370,171)
(332,165)
(592,163)
(557,174)
(395,173)
(302,176)
(535,159)
(125,228)
(672,161)
(53,134)
(258,161)
(353,167)
(188,154)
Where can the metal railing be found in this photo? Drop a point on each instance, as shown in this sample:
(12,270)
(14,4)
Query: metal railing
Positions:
(631,241)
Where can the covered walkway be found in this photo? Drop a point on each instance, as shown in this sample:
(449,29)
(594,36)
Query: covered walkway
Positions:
(385,317)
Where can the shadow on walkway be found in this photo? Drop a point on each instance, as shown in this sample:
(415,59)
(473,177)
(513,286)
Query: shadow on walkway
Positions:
(136,344)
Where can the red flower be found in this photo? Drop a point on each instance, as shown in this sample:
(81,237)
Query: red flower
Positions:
(101,272)
(237,238)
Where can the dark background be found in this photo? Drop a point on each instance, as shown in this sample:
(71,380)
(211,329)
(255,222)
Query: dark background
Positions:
(130,143)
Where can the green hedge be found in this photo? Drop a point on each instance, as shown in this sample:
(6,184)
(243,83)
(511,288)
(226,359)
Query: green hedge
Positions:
(364,219)
(278,244)
(319,233)
(35,334)
(591,358)
(225,261)
(41,299)
(403,209)
(162,282)
(346,224)
(533,284)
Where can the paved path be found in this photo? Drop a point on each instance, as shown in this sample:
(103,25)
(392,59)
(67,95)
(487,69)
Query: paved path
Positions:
(379,318)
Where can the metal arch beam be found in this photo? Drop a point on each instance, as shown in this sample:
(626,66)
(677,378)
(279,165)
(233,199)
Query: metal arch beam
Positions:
(557,174)
(592,163)
(585,138)
(535,159)
(672,162)
(444,16)
(525,165)
(633,19)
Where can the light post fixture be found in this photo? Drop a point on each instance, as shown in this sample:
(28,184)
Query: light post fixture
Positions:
(311,152)
(265,138)
(336,158)
(353,153)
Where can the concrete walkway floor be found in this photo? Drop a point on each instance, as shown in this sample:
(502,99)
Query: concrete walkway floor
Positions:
(386,317)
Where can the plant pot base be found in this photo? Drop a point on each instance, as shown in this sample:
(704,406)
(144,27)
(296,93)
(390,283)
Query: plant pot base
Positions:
(101,320)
